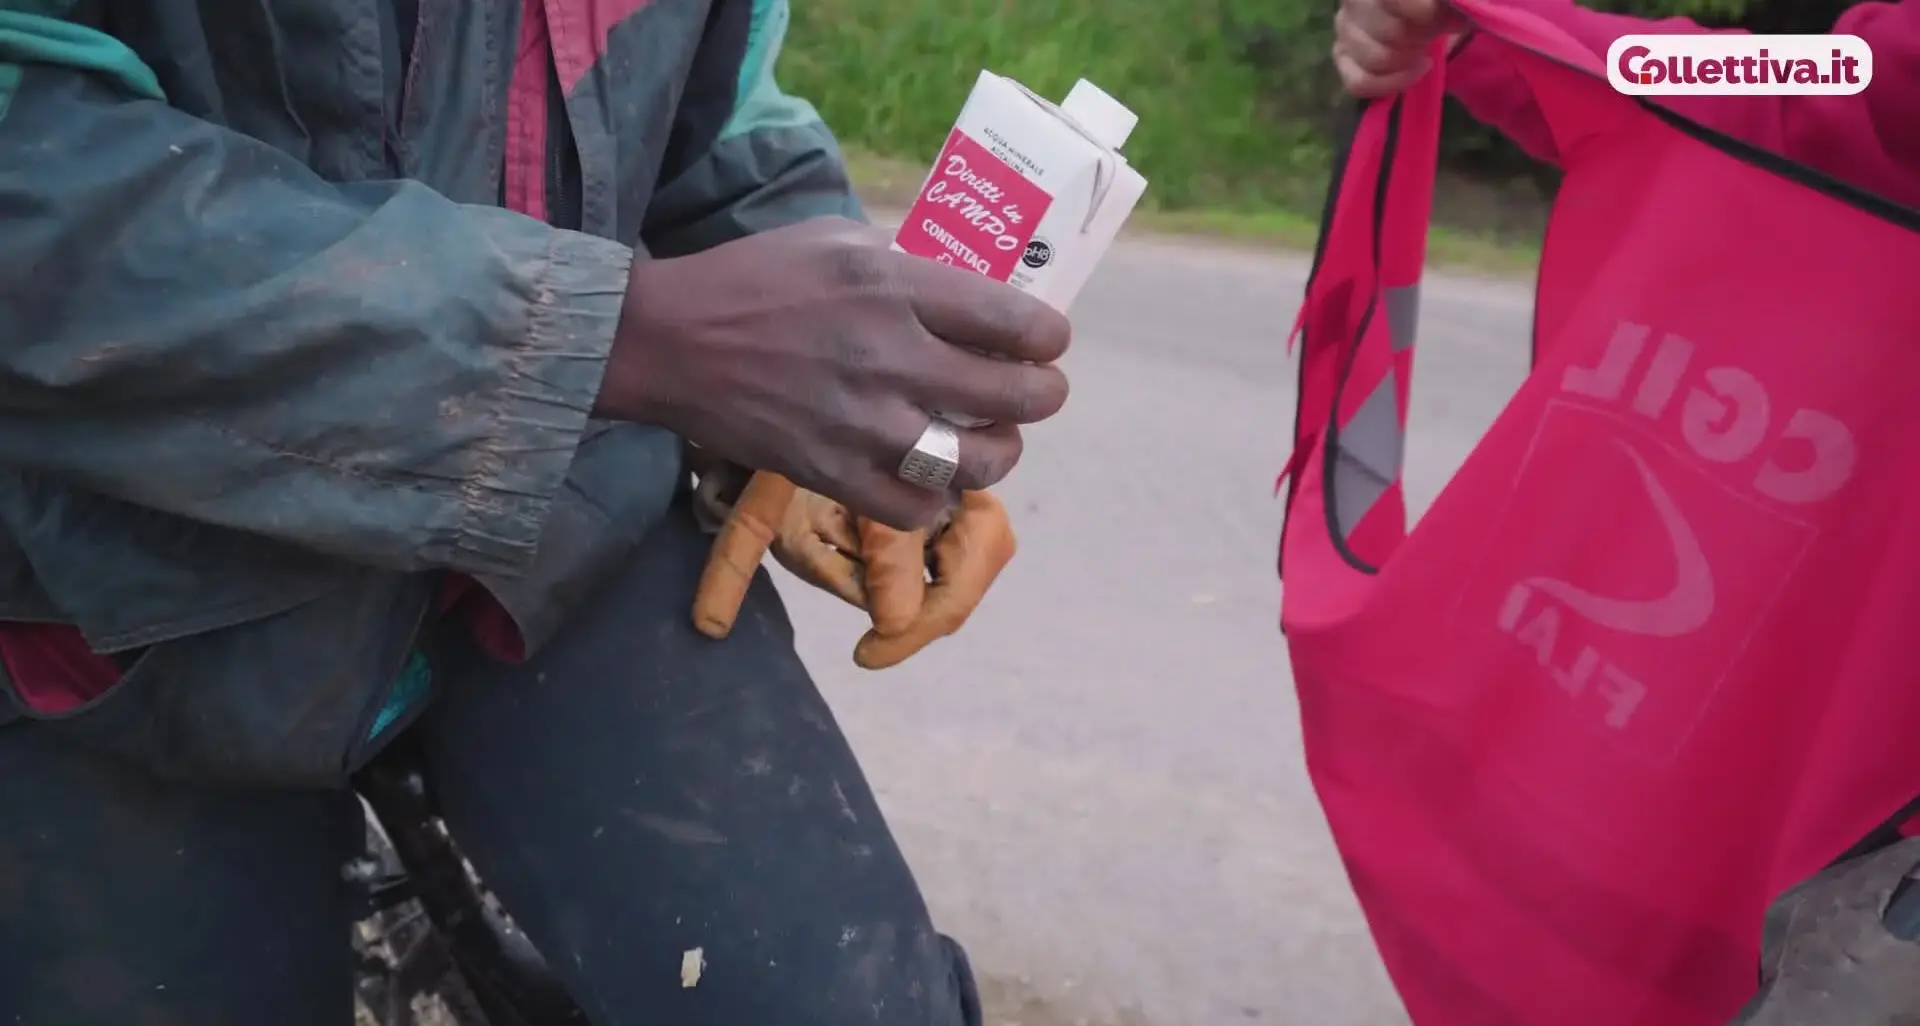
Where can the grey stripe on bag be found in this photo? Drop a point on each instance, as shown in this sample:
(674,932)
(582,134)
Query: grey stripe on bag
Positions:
(1370,451)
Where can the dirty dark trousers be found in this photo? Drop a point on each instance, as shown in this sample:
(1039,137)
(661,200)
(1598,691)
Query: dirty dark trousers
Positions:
(632,792)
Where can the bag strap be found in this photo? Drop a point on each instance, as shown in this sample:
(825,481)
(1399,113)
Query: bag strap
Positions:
(1366,270)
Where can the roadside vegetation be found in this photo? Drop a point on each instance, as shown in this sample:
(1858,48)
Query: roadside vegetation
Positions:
(1237,101)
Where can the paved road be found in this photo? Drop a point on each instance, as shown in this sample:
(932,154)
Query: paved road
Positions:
(1100,780)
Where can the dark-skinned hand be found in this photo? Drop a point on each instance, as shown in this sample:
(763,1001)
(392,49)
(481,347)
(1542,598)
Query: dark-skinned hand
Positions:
(815,351)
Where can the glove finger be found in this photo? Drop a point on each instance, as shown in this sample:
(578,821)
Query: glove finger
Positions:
(820,564)
(896,575)
(969,556)
(832,522)
(813,556)
(967,559)
(737,552)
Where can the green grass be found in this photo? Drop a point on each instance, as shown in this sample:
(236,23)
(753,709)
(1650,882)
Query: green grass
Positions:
(1220,157)
(889,75)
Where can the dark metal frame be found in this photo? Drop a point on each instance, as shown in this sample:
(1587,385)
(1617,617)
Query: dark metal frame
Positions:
(466,950)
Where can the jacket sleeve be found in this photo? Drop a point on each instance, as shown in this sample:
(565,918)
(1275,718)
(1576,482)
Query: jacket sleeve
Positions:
(1867,139)
(749,157)
(195,322)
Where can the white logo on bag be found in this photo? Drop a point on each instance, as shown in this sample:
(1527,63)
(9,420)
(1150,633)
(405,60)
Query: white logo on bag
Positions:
(1685,608)
(1725,419)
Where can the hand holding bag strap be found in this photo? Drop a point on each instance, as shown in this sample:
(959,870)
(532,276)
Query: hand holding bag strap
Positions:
(1386,157)
(1413,164)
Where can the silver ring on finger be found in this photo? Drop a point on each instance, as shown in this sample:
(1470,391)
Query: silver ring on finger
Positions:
(934,459)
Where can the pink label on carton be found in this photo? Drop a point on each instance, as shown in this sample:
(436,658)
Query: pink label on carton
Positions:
(976,211)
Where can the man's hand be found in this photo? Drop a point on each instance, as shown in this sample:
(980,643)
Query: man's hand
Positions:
(815,352)
(884,571)
(1383,46)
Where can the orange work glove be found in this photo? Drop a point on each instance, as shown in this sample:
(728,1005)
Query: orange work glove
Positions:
(866,564)
(748,530)
(966,558)
(819,543)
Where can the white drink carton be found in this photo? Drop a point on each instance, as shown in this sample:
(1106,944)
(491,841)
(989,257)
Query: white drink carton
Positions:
(1027,192)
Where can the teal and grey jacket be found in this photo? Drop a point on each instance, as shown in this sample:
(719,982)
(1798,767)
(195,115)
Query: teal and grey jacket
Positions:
(292,320)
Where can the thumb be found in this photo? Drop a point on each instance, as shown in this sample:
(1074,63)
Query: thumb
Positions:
(1425,15)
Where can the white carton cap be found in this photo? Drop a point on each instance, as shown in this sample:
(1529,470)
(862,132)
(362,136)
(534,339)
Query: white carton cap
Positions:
(1105,117)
